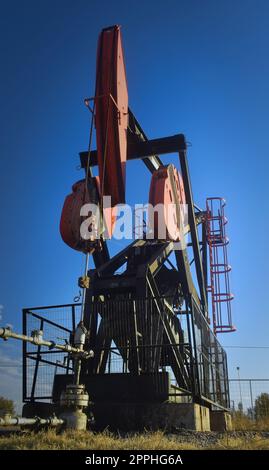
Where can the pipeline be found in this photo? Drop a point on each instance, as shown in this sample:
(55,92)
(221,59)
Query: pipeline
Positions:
(75,398)
(38,340)
(17,421)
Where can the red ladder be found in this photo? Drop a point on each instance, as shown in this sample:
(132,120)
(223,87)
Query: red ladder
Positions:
(219,268)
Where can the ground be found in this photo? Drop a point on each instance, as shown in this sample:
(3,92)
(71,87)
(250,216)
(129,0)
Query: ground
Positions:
(247,434)
(188,440)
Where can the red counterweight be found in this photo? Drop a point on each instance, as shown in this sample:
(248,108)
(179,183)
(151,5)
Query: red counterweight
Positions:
(167,195)
(73,233)
(71,219)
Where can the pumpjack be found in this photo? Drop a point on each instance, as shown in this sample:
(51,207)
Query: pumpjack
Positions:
(145,348)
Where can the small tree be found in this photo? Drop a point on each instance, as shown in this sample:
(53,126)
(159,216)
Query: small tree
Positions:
(262,406)
(6,406)
(240,407)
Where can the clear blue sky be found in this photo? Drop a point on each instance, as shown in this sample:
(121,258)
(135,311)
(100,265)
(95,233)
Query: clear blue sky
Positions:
(198,67)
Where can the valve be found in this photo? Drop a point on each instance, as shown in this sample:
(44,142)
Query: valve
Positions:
(80,335)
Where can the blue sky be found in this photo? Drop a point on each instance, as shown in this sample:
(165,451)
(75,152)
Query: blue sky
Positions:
(197,67)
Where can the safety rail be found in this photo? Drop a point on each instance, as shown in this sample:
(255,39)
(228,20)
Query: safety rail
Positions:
(219,286)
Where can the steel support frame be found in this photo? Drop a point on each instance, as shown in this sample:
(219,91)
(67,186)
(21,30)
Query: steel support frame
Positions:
(139,147)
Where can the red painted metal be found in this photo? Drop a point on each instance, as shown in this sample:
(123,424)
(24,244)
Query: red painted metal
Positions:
(111,115)
(219,267)
(111,121)
(71,220)
(161,194)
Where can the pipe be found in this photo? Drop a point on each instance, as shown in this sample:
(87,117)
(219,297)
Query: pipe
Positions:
(37,339)
(9,421)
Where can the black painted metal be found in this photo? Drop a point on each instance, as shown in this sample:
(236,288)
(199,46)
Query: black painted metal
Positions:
(38,356)
(145,336)
(148,318)
(193,228)
(204,256)
(146,150)
(24,360)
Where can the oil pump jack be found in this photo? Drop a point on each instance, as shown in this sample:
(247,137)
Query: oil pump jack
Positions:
(143,350)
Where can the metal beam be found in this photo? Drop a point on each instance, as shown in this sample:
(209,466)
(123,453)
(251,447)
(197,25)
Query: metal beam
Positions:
(145,150)
(137,134)
(204,255)
(193,228)
(178,366)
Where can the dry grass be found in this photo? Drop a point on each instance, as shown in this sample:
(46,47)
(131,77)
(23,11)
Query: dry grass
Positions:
(106,441)
(242,423)
(243,443)
(89,441)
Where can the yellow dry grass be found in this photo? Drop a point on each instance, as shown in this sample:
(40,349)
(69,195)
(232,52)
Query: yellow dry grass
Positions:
(242,423)
(69,440)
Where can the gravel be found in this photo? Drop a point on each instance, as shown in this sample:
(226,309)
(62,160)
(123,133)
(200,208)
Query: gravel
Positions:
(208,438)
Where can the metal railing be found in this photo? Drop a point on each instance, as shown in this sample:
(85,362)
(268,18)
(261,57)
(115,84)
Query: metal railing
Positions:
(250,397)
(136,330)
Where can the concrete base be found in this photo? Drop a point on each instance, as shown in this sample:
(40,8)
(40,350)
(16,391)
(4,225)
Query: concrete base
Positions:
(140,416)
(220,421)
